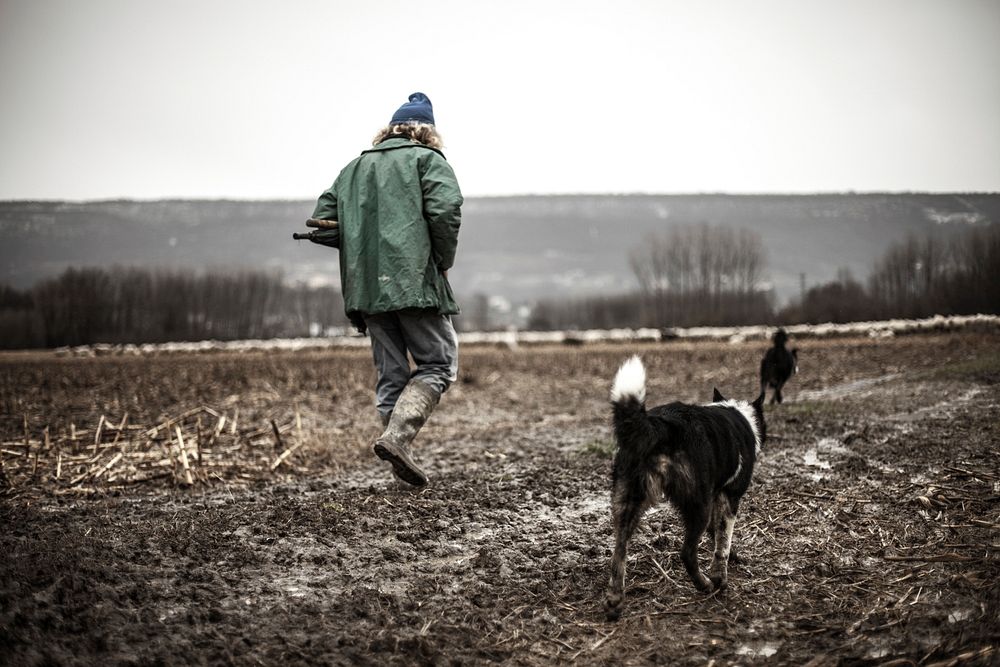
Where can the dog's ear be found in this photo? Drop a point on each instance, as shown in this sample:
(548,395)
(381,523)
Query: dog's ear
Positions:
(759,403)
(717,396)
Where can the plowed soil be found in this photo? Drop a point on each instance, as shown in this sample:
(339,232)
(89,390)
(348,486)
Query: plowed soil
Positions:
(871,533)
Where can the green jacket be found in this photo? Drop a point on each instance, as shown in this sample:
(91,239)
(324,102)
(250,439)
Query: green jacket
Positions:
(399,208)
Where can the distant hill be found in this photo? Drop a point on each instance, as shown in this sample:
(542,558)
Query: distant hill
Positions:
(520,248)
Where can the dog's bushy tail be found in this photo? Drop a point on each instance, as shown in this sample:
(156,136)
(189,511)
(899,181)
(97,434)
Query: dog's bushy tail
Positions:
(628,407)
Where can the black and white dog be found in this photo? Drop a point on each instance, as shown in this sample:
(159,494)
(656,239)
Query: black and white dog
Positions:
(779,364)
(698,457)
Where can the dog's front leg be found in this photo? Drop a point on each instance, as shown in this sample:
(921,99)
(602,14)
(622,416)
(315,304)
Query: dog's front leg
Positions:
(723,520)
(696,518)
(627,509)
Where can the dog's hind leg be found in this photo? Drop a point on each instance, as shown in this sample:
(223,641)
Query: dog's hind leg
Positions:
(628,508)
(696,519)
(723,520)
(734,558)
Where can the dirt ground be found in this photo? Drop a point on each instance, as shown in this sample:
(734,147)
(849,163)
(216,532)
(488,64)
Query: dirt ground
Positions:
(871,533)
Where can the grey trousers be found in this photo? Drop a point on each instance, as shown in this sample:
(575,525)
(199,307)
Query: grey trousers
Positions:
(427,336)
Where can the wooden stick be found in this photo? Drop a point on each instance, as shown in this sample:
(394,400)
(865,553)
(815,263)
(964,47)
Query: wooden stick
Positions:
(109,464)
(197,443)
(87,473)
(169,450)
(278,444)
(316,223)
(170,422)
(284,455)
(595,646)
(188,480)
(59,464)
(98,433)
(938,558)
(970,473)
(119,429)
(79,478)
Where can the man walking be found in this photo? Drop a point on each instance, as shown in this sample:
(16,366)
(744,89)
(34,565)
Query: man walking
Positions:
(399,209)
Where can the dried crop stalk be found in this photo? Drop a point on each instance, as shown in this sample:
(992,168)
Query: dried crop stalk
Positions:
(120,428)
(285,454)
(197,442)
(278,444)
(173,420)
(96,472)
(110,464)
(98,433)
(188,480)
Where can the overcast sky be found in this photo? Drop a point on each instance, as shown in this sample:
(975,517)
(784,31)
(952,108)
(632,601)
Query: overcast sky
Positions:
(269,99)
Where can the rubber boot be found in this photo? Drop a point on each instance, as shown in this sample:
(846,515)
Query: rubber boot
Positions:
(414,406)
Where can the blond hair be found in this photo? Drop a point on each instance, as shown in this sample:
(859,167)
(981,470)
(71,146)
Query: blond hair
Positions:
(422,133)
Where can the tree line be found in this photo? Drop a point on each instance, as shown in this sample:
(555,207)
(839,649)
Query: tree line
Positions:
(917,277)
(697,275)
(689,275)
(136,305)
(705,275)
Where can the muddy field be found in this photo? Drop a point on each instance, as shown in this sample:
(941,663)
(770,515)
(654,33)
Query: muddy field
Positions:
(871,534)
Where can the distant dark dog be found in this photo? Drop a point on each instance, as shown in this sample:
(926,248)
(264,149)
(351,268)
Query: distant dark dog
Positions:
(698,457)
(778,364)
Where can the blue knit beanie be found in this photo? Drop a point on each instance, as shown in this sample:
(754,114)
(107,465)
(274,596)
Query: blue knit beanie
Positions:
(417,110)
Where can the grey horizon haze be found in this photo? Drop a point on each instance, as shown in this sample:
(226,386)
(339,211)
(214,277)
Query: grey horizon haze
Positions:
(112,99)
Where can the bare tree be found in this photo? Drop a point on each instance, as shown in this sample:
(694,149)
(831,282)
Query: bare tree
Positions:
(691,273)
